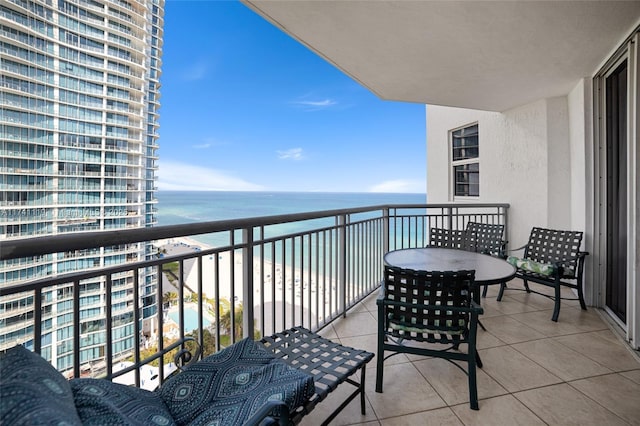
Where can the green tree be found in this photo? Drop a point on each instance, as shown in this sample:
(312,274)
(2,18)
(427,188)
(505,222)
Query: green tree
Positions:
(170,297)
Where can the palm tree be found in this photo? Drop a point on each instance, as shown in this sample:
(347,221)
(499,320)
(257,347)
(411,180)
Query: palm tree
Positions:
(170,298)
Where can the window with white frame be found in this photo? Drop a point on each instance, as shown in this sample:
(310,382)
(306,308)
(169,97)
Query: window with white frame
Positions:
(465,161)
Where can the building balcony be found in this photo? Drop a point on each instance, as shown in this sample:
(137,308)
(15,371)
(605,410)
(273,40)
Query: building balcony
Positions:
(323,273)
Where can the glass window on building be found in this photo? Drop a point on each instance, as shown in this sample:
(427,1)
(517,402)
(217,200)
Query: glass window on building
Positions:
(465,163)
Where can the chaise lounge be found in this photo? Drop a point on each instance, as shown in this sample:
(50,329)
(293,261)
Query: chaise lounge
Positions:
(277,380)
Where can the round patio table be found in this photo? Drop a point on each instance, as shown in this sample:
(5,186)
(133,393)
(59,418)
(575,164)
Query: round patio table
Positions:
(489,270)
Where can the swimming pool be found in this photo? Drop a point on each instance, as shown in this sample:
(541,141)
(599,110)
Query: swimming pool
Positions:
(190,319)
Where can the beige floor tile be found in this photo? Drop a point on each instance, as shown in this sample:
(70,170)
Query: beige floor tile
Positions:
(405,391)
(560,360)
(351,414)
(440,417)
(356,324)
(602,347)
(369,343)
(358,308)
(370,302)
(539,301)
(509,330)
(485,339)
(616,392)
(328,332)
(563,405)
(509,305)
(489,310)
(514,371)
(452,384)
(633,375)
(570,321)
(502,410)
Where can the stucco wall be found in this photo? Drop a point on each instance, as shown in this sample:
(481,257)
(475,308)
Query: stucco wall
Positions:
(525,160)
(579,145)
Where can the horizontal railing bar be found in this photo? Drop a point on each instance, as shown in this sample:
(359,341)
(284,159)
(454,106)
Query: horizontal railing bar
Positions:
(11,249)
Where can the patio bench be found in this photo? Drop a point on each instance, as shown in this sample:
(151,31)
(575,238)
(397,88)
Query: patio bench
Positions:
(551,258)
(274,381)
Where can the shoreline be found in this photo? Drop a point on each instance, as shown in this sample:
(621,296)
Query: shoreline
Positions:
(288,285)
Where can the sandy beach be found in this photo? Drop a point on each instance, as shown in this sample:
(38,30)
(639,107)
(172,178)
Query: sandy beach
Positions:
(220,269)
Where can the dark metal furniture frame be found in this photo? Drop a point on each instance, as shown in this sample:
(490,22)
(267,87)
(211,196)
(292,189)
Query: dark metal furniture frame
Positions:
(477,237)
(446,238)
(411,306)
(330,364)
(562,250)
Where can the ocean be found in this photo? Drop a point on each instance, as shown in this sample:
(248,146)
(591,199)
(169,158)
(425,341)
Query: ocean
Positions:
(179,207)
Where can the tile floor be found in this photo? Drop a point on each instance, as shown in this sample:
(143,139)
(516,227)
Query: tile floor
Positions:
(536,372)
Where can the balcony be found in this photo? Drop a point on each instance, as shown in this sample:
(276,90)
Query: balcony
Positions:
(322,270)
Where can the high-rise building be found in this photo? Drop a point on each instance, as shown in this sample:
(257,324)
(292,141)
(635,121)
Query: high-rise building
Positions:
(79,100)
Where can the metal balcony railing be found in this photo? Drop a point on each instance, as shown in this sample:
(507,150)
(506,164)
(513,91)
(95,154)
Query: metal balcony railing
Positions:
(267,274)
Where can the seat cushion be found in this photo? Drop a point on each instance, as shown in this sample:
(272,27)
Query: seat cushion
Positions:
(101,402)
(230,386)
(446,328)
(529,265)
(33,392)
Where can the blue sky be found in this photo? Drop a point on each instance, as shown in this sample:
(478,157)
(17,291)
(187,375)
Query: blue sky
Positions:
(246,107)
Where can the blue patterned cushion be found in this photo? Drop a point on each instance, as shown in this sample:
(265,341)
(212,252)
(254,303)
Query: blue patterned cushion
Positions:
(227,388)
(101,402)
(32,392)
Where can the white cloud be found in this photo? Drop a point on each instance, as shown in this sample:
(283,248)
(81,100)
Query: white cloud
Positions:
(202,146)
(315,105)
(400,185)
(291,154)
(173,176)
(196,72)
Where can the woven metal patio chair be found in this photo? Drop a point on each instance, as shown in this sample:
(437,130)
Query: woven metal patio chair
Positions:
(433,307)
(551,258)
(484,238)
(447,238)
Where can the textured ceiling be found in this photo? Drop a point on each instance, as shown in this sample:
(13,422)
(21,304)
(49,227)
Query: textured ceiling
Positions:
(491,55)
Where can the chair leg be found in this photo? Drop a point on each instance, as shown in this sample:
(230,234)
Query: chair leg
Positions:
(581,297)
(478,360)
(484,291)
(526,285)
(473,386)
(363,408)
(556,306)
(503,286)
(380,355)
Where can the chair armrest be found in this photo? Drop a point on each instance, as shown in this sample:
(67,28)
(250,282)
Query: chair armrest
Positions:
(476,308)
(380,297)
(518,248)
